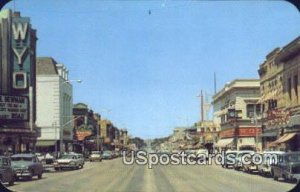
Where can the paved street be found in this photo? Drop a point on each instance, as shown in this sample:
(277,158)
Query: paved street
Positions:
(112,175)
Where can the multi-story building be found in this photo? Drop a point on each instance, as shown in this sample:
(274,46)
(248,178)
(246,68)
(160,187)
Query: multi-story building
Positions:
(54,106)
(236,112)
(18,131)
(271,100)
(289,57)
(85,129)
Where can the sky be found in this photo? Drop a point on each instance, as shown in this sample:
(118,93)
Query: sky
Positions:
(143,63)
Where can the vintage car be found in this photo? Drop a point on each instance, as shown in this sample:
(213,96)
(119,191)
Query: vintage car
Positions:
(269,157)
(288,167)
(95,156)
(250,166)
(238,160)
(71,161)
(7,173)
(26,165)
(229,159)
(107,155)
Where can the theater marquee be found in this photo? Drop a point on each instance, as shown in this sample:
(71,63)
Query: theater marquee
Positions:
(14,108)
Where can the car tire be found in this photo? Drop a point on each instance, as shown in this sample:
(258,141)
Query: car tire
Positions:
(11,182)
(40,176)
(274,176)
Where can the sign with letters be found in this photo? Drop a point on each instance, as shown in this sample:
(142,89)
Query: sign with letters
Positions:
(14,108)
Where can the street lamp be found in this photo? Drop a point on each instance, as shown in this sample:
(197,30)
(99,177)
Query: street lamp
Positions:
(62,129)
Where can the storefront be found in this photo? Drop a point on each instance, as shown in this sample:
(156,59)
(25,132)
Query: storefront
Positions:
(241,138)
(14,140)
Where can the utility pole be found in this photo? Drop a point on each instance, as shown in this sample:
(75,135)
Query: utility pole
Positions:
(202,108)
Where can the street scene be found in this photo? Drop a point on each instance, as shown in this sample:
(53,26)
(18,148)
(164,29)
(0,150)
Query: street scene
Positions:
(161,178)
(142,96)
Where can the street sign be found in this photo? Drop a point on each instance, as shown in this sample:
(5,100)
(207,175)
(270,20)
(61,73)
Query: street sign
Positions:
(15,108)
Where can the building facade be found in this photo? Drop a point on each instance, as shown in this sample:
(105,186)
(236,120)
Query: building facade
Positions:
(289,136)
(236,112)
(54,106)
(272,102)
(18,131)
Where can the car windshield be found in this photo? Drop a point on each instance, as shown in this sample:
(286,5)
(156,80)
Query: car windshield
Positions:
(107,152)
(293,158)
(96,152)
(21,158)
(68,157)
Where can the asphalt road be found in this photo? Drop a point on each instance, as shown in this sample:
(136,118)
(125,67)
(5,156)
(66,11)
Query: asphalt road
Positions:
(112,175)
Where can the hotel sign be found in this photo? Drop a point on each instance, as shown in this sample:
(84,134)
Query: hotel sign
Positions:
(14,108)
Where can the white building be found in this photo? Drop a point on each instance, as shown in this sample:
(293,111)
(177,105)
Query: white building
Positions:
(237,112)
(54,106)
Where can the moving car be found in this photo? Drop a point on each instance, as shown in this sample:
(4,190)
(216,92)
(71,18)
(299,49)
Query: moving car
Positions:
(7,173)
(288,167)
(264,168)
(26,165)
(107,155)
(71,160)
(95,156)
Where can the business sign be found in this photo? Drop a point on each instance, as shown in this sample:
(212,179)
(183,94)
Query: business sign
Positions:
(14,108)
(81,135)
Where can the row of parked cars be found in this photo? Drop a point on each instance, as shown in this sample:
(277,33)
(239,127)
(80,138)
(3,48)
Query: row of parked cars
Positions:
(29,165)
(286,165)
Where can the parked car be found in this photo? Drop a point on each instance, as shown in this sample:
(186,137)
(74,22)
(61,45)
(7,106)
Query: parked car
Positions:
(95,156)
(40,156)
(26,165)
(107,155)
(264,168)
(288,167)
(7,173)
(238,160)
(201,153)
(251,166)
(71,160)
(229,158)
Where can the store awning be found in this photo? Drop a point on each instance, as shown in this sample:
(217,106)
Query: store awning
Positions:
(269,134)
(224,142)
(45,143)
(286,137)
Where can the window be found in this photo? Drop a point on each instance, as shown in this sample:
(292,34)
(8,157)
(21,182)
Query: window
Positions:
(250,110)
(296,85)
(20,80)
(289,85)
(258,109)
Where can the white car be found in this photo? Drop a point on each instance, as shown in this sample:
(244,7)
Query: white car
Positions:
(73,161)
